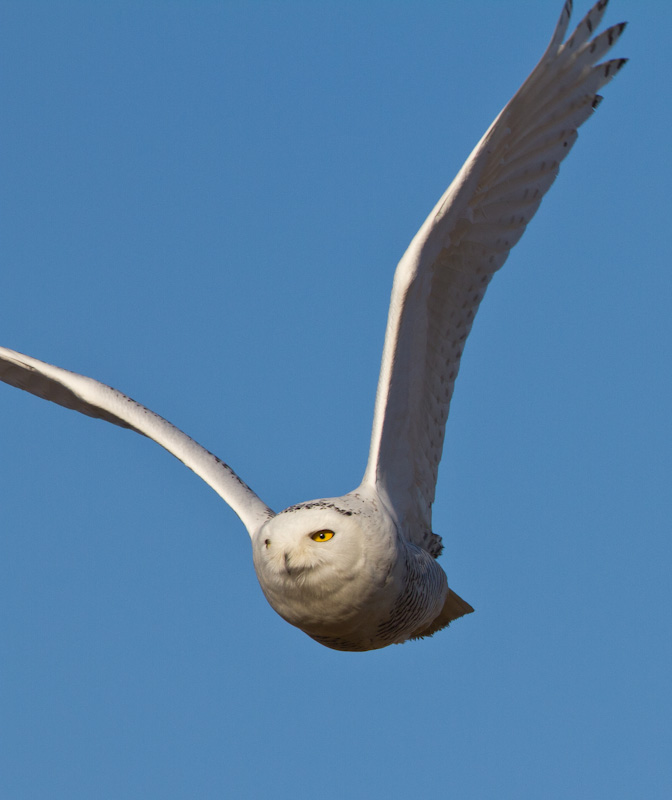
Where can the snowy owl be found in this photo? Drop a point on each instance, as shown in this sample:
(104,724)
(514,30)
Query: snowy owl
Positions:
(359,572)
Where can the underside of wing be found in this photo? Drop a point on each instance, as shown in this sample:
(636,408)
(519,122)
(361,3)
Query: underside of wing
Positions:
(442,277)
(98,400)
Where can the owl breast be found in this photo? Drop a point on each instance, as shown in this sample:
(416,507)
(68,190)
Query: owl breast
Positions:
(420,591)
(361,587)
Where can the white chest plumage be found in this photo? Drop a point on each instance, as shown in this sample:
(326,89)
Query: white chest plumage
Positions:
(340,570)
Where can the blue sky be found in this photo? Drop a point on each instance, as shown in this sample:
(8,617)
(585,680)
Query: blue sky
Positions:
(203,204)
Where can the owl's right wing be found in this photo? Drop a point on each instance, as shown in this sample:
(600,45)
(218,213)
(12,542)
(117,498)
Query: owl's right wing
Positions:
(95,399)
(442,277)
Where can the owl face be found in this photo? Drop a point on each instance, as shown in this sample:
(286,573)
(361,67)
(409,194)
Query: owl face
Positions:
(315,562)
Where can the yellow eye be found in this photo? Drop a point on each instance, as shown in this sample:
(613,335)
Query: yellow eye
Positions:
(322,536)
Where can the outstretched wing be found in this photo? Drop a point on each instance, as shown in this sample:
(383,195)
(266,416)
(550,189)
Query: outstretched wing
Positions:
(443,275)
(98,400)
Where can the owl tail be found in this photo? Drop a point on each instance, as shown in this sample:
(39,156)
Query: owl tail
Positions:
(453,608)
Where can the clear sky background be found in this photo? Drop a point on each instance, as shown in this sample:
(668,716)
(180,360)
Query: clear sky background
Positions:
(202,204)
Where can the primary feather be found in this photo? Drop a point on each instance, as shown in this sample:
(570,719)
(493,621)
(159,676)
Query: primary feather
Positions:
(358,572)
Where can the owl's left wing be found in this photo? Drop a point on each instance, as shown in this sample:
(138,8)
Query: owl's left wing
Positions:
(443,275)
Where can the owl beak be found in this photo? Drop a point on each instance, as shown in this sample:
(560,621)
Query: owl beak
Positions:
(294,569)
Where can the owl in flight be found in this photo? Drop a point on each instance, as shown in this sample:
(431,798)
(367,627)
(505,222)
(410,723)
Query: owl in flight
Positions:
(359,572)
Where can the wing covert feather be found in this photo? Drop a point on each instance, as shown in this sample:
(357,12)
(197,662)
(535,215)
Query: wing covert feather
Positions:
(442,277)
(95,399)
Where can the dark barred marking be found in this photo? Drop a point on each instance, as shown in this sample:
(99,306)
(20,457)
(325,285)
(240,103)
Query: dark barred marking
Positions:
(615,32)
(339,644)
(411,605)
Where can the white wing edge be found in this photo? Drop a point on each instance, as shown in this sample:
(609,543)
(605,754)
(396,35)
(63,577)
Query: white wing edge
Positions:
(453,205)
(95,399)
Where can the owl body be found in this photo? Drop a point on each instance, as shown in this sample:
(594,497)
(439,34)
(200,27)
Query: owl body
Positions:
(359,572)
(341,571)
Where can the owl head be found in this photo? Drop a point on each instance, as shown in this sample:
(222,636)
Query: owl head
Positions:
(320,562)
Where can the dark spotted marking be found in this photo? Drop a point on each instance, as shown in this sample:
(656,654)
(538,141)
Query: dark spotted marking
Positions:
(434,545)
(230,471)
(319,504)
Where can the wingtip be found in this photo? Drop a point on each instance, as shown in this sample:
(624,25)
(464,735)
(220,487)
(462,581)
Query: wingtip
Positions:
(614,66)
(561,26)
